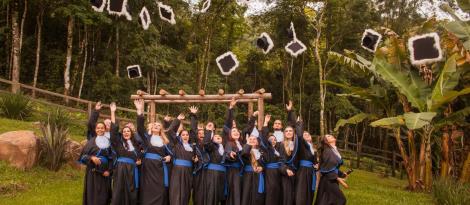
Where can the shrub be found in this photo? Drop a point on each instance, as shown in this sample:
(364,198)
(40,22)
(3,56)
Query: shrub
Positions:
(53,141)
(450,192)
(15,106)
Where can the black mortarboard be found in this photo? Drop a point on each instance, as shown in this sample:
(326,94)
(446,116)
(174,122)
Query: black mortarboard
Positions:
(295,47)
(119,7)
(370,40)
(133,71)
(166,13)
(227,63)
(98,5)
(424,49)
(145,18)
(264,42)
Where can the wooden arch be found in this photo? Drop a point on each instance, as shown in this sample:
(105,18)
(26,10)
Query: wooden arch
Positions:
(166,98)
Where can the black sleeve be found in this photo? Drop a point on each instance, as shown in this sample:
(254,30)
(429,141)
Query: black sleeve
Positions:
(115,141)
(291,118)
(264,137)
(246,152)
(91,125)
(193,132)
(249,127)
(141,129)
(207,142)
(166,124)
(172,131)
(228,124)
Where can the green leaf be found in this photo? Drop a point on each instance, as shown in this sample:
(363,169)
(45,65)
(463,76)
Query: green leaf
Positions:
(448,79)
(418,120)
(389,122)
(464,5)
(457,117)
(449,97)
(408,85)
(354,119)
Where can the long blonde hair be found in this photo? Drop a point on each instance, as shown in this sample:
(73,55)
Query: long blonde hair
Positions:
(254,163)
(161,134)
(286,141)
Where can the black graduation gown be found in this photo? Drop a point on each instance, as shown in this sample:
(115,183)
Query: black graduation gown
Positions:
(234,180)
(97,188)
(329,192)
(214,181)
(181,176)
(272,177)
(125,188)
(304,177)
(152,186)
(198,178)
(251,180)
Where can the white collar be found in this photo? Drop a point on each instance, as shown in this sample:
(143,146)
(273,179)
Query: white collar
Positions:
(156,141)
(130,145)
(102,142)
(256,153)
(187,147)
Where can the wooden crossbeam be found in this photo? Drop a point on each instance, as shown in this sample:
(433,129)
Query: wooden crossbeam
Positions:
(190,98)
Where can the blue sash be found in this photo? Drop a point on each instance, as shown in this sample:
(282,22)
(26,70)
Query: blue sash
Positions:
(216,167)
(249,168)
(183,163)
(309,164)
(165,168)
(236,165)
(136,171)
(274,165)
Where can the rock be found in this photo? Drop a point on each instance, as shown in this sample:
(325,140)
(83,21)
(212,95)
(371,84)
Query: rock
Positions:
(19,148)
(72,153)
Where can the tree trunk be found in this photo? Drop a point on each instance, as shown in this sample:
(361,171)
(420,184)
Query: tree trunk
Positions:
(85,58)
(16,57)
(38,48)
(406,162)
(68,58)
(76,68)
(465,176)
(445,153)
(321,74)
(117,51)
(421,159)
(428,129)
(23,18)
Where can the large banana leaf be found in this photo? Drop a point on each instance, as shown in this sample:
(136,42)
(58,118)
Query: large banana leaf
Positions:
(389,122)
(345,60)
(408,85)
(354,119)
(458,28)
(448,79)
(418,120)
(449,97)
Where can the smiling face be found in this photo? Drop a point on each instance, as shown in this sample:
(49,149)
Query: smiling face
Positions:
(289,133)
(330,139)
(252,140)
(217,139)
(272,139)
(156,128)
(235,134)
(307,136)
(277,125)
(127,133)
(200,134)
(100,129)
(185,136)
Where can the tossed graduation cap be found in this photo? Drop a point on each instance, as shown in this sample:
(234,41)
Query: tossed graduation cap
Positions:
(145,18)
(166,13)
(98,5)
(295,47)
(119,8)
(264,42)
(424,49)
(370,40)
(133,71)
(205,6)
(227,63)
(291,31)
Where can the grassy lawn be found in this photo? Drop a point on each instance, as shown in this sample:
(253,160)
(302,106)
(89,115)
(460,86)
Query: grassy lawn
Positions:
(39,186)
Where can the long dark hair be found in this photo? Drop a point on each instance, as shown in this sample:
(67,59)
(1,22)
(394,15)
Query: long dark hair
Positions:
(133,140)
(323,145)
(231,141)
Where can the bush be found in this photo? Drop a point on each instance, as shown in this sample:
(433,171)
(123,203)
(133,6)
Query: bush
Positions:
(53,141)
(450,192)
(15,106)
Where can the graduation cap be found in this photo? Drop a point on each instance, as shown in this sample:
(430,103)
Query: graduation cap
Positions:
(205,6)
(133,71)
(295,47)
(227,63)
(119,8)
(166,13)
(424,49)
(370,40)
(264,42)
(145,18)
(98,5)
(291,31)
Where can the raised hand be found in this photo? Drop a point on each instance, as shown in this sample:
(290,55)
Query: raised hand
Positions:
(267,118)
(139,105)
(289,106)
(255,113)
(167,118)
(180,116)
(98,105)
(233,102)
(113,107)
(209,126)
(193,109)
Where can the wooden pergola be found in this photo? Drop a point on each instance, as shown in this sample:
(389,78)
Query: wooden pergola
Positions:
(182,98)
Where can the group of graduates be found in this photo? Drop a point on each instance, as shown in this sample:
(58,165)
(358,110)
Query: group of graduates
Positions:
(163,163)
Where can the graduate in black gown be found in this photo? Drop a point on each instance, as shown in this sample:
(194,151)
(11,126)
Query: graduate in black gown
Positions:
(96,155)
(154,170)
(183,157)
(329,192)
(233,147)
(288,153)
(253,176)
(125,174)
(215,186)
(196,138)
(306,176)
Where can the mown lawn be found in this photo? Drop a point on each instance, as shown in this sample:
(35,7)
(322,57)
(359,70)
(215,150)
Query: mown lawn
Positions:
(39,186)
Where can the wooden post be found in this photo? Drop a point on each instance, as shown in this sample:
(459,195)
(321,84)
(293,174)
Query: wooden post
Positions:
(152,111)
(90,107)
(394,159)
(260,113)
(250,109)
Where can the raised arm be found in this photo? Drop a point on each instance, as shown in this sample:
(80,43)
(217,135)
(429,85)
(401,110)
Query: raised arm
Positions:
(207,141)
(193,132)
(93,119)
(115,141)
(265,132)
(251,125)
(172,130)
(139,105)
(291,117)
(228,124)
